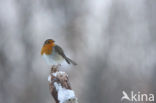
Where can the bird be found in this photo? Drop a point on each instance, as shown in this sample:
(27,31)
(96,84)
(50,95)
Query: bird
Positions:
(54,54)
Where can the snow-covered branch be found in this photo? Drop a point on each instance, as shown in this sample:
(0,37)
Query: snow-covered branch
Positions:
(60,87)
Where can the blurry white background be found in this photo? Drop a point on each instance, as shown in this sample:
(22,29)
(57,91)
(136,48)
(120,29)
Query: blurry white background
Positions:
(113,42)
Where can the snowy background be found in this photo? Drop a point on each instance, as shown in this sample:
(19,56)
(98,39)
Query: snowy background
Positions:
(113,42)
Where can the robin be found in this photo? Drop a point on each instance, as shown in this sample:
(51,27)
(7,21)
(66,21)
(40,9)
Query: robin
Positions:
(54,54)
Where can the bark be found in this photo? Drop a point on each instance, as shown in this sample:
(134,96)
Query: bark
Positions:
(61,78)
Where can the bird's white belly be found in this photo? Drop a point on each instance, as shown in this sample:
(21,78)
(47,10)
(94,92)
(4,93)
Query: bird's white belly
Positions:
(53,59)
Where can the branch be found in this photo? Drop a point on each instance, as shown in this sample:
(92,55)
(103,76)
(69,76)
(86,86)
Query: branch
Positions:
(60,87)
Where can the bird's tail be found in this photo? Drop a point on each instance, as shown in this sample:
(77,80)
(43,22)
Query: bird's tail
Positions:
(70,61)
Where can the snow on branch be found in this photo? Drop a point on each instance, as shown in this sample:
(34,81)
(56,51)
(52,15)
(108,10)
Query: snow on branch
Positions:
(60,87)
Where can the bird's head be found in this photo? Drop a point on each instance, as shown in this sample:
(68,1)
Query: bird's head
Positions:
(49,42)
(47,46)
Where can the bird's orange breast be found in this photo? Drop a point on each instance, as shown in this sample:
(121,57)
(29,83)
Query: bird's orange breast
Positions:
(47,49)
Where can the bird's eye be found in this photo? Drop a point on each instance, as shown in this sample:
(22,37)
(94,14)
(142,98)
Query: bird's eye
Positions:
(46,42)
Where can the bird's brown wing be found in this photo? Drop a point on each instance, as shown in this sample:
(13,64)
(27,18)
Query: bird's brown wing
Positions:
(59,50)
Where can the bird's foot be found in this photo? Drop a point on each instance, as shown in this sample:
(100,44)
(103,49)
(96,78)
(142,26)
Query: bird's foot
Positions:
(54,68)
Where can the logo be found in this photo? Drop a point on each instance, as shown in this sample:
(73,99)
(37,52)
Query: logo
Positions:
(137,97)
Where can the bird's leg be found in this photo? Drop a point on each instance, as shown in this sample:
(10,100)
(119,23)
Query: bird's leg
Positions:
(53,68)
